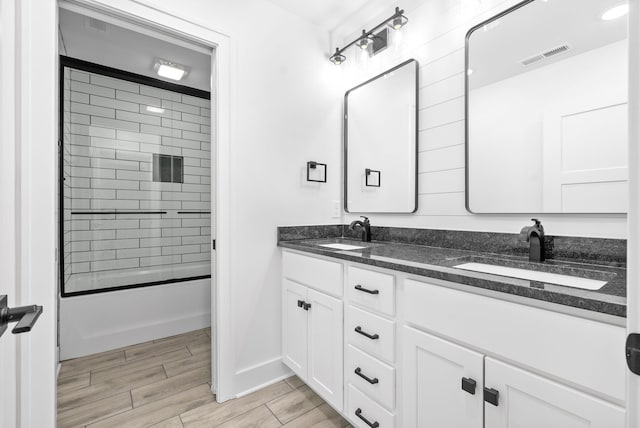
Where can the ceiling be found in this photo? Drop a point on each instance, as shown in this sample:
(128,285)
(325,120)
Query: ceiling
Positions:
(496,51)
(118,47)
(327,14)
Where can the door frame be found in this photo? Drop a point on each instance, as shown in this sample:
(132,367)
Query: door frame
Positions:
(172,22)
(29,156)
(633,217)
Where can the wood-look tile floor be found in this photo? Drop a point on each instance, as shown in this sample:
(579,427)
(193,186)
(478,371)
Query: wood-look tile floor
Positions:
(166,383)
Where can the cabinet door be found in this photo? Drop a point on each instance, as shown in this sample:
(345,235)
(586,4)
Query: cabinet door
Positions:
(294,328)
(325,373)
(526,400)
(433,372)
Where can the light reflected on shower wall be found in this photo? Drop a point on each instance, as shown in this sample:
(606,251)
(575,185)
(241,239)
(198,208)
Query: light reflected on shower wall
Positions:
(135,184)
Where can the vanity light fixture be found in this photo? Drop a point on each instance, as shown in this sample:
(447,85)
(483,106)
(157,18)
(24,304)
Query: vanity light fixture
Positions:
(396,21)
(364,41)
(170,70)
(615,12)
(337,58)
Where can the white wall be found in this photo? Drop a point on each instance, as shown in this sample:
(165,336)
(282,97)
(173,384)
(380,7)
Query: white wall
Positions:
(286,115)
(435,36)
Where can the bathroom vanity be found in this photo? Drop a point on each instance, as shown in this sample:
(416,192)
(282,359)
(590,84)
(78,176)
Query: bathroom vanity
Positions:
(395,335)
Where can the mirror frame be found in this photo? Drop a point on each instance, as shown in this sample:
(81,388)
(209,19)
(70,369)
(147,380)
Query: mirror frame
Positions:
(345,130)
(466,102)
(466,123)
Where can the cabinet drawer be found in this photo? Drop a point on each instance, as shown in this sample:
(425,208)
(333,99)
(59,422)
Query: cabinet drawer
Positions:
(370,326)
(580,351)
(361,408)
(323,275)
(371,289)
(371,376)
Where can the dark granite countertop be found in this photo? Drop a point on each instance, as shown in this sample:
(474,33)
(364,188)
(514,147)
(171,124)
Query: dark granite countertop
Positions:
(438,263)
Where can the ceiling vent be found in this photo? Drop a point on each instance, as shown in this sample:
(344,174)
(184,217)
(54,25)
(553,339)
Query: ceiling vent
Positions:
(96,24)
(544,55)
(531,60)
(556,51)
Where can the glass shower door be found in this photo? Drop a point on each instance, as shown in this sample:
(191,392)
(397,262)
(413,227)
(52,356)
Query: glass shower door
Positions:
(135,182)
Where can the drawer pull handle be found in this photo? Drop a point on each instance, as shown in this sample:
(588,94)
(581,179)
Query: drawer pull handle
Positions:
(366,290)
(358,330)
(373,381)
(491,396)
(365,420)
(469,385)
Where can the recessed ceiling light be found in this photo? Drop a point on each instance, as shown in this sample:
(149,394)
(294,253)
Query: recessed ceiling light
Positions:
(615,12)
(170,70)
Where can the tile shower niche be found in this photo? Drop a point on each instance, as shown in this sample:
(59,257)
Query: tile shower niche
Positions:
(135,183)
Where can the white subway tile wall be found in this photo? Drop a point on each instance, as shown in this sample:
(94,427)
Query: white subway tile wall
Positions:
(112,128)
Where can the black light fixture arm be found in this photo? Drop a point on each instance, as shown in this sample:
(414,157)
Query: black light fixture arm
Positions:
(398,13)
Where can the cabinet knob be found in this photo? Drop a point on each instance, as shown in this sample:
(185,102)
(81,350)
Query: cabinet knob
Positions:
(469,385)
(365,420)
(491,396)
(306,306)
(300,303)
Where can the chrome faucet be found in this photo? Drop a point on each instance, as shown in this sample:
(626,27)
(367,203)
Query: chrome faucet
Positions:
(365,226)
(534,235)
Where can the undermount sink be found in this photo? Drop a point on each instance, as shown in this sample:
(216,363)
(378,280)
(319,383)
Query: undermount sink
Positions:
(535,275)
(345,247)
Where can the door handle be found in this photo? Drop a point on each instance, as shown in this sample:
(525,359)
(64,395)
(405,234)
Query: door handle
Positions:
(25,316)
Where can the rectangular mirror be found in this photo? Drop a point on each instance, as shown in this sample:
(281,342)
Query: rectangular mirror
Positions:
(546,94)
(381,142)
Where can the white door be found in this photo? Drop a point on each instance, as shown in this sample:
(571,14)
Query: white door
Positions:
(633,254)
(28,147)
(435,372)
(585,160)
(325,373)
(526,400)
(295,328)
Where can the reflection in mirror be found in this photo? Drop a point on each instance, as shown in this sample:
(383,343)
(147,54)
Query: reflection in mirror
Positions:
(381,142)
(547,110)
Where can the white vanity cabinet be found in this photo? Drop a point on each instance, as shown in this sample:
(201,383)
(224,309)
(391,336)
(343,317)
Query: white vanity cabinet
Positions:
(435,373)
(571,363)
(390,349)
(531,401)
(312,341)
(370,332)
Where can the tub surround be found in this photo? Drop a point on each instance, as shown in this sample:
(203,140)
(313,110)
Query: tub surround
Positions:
(434,253)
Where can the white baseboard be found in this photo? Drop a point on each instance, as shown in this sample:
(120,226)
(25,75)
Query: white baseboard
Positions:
(100,322)
(261,375)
